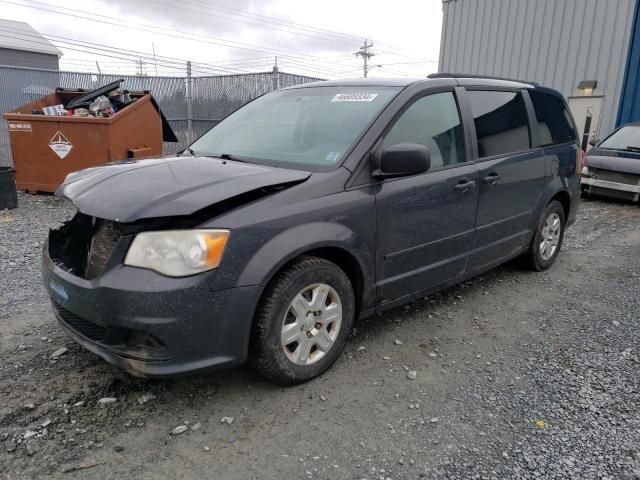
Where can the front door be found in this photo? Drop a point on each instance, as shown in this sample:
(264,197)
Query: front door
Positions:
(586,112)
(512,175)
(425,223)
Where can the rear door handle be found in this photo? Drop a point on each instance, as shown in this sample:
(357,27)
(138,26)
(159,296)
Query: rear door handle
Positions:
(492,178)
(464,185)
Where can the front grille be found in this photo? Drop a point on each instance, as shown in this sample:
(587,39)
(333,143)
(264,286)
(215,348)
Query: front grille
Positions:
(103,244)
(618,177)
(87,328)
(84,245)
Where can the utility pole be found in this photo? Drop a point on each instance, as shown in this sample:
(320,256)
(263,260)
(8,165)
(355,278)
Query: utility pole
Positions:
(366,54)
(274,76)
(189,103)
(153,47)
(98,65)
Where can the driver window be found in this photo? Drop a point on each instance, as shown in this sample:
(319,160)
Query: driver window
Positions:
(432,121)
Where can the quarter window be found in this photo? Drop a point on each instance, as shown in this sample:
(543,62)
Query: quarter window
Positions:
(501,122)
(554,121)
(432,121)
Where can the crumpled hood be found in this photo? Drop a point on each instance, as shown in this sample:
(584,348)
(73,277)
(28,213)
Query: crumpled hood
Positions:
(627,162)
(132,190)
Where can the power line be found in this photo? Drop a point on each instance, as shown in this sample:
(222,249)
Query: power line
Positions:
(162,31)
(393,51)
(281,22)
(112,52)
(99,48)
(318,35)
(289,23)
(309,62)
(33,38)
(132,58)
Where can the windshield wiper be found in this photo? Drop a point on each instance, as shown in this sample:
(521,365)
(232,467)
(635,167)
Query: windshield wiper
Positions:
(191,152)
(228,156)
(633,149)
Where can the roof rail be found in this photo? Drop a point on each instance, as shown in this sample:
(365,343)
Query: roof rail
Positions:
(471,75)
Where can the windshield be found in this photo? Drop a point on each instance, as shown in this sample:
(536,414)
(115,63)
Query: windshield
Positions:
(627,138)
(311,128)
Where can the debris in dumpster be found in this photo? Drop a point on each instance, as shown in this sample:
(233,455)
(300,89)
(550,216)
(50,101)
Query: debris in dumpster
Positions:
(119,98)
(87,98)
(54,110)
(101,102)
(101,107)
(80,112)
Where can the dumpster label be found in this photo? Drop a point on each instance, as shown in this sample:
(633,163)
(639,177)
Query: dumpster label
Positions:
(60,145)
(19,126)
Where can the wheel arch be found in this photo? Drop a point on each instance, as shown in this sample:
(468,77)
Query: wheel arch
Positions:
(337,255)
(564,199)
(333,242)
(553,191)
(346,261)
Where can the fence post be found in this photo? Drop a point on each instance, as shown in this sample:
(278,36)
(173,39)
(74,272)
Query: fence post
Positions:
(274,78)
(189,100)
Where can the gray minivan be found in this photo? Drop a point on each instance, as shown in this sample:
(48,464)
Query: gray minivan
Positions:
(305,209)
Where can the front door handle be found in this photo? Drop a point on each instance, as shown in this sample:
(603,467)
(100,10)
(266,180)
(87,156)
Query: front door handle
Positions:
(492,178)
(464,185)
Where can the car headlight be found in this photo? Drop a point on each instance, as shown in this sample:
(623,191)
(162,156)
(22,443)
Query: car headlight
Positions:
(586,172)
(177,253)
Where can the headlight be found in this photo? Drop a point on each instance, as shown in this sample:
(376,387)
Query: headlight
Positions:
(177,253)
(586,172)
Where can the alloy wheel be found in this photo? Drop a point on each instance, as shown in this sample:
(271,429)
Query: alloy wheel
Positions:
(311,324)
(550,238)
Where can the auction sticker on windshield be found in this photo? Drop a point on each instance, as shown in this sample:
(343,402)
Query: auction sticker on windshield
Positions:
(354,97)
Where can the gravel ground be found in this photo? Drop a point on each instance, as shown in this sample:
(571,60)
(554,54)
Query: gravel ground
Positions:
(22,233)
(517,375)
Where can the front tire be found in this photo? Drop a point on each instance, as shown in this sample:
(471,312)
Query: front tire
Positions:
(303,321)
(547,239)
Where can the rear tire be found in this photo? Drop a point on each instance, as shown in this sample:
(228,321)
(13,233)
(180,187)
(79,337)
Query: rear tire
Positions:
(547,240)
(302,322)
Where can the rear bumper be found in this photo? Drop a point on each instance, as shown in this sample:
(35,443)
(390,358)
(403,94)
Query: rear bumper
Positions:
(610,185)
(151,325)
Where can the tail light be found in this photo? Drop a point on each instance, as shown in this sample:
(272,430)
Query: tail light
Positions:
(580,162)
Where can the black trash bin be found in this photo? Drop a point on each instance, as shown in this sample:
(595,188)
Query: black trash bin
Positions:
(8,194)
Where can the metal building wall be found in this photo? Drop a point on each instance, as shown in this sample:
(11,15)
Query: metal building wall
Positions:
(629,110)
(21,58)
(557,43)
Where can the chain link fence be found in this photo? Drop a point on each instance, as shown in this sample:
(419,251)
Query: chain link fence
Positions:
(212,98)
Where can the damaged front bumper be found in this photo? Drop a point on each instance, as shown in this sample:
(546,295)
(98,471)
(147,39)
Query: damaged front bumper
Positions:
(151,325)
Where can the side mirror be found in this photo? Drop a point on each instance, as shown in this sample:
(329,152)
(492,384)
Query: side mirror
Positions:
(594,141)
(402,160)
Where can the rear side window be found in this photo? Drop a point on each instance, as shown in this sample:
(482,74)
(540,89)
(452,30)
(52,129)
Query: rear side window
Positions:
(432,121)
(554,120)
(501,122)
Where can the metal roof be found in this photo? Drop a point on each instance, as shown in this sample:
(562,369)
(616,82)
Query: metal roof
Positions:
(21,36)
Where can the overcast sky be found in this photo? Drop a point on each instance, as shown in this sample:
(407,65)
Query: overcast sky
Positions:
(309,37)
